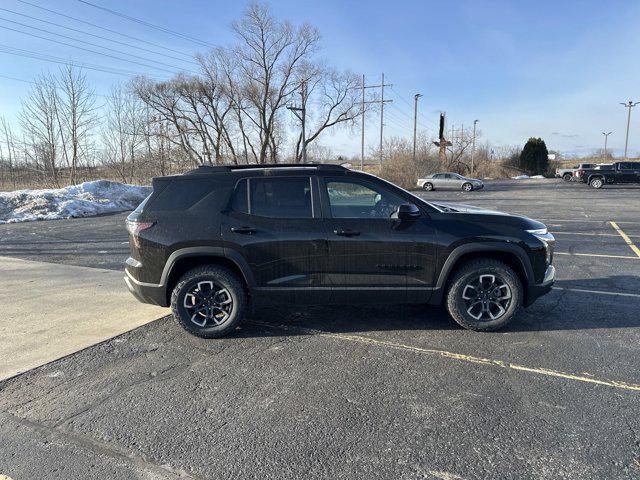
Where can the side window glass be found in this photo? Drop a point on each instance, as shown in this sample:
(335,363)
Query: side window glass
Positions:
(240,201)
(356,200)
(283,197)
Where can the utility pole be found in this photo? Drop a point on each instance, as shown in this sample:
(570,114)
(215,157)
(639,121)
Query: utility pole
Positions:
(473,146)
(362,140)
(382,101)
(628,105)
(415,122)
(606,135)
(301,112)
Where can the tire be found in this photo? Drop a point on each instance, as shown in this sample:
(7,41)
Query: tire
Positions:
(428,187)
(467,187)
(596,182)
(218,317)
(567,177)
(462,285)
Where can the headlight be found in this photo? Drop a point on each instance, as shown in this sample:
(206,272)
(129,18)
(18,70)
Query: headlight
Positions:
(547,240)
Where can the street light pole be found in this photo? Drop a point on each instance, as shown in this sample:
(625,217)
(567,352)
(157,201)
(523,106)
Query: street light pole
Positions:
(628,105)
(606,136)
(473,148)
(415,122)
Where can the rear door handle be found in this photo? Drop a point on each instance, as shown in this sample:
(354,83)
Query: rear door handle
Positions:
(243,230)
(346,232)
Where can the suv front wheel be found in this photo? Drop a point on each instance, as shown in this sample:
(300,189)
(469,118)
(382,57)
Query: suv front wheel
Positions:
(484,295)
(209,301)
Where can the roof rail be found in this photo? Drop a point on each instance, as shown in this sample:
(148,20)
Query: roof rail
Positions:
(229,168)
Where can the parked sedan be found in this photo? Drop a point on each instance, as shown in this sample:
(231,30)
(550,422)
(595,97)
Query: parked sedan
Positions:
(449,180)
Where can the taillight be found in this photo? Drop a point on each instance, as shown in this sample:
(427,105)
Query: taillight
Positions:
(135,228)
(580,173)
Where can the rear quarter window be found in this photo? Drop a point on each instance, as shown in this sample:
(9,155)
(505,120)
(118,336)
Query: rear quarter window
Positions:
(182,194)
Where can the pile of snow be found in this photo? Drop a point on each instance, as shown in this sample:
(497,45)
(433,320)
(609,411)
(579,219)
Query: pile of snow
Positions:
(84,200)
(526,177)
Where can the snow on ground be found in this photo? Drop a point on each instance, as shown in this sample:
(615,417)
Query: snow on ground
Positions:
(84,200)
(526,177)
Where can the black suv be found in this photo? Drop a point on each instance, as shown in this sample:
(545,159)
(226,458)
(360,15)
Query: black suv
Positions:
(218,239)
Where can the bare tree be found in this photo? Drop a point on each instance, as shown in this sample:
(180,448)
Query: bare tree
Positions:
(196,109)
(270,55)
(38,119)
(75,115)
(329,99)
(123,132)
(10,148)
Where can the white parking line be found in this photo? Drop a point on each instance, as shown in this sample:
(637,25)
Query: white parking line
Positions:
(598,292)
(626,257)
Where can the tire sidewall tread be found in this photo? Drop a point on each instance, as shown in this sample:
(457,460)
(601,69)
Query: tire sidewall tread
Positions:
(220,275)
(455,305)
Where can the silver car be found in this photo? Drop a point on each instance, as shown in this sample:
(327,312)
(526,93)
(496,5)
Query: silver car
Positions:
(451,181)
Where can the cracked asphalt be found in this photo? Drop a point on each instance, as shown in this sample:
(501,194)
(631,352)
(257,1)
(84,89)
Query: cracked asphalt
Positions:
(351,392)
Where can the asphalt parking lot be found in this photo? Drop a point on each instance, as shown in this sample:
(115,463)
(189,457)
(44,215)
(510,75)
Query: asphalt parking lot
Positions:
(352,392)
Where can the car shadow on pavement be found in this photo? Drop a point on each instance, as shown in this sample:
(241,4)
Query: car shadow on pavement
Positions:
(559,310)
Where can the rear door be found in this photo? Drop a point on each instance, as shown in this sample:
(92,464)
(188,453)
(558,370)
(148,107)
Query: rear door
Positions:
(275,224)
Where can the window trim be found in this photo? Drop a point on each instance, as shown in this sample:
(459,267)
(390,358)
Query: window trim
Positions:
(367,183)
(314,209)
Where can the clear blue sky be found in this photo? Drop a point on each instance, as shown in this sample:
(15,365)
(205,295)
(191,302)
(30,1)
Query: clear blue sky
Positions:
(552,69)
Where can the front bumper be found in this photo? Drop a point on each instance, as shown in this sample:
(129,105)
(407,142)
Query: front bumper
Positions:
(536,291)
(146,292)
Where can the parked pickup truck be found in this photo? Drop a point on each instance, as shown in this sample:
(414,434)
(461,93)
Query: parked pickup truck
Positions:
(619,172)
(567,173)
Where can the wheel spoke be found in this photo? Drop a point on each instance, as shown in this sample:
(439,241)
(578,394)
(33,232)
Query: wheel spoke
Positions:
(487,297)
(208,303)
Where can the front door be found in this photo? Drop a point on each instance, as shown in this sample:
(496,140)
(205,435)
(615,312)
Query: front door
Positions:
(275,224)
(374,257)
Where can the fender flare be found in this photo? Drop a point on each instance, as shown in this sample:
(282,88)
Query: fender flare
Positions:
(480,247)
(214,252)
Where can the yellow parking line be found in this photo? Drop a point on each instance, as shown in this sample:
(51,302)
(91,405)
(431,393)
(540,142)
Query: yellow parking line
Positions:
(626,238)
(595,255)
(586,377)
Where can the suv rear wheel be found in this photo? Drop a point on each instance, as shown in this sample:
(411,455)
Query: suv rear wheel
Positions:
(209,301)
(566,177)
(484,295)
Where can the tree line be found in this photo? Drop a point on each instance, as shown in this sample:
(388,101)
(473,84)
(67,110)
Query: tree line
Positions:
(232,110)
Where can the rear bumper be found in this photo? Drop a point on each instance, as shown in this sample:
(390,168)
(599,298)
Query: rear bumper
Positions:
(146,292)
(536,291)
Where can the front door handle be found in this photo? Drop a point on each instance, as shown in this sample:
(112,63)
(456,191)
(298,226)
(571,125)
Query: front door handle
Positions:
(346,232)
(243,230)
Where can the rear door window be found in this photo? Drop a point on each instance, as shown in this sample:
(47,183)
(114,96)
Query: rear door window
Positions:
(274,197)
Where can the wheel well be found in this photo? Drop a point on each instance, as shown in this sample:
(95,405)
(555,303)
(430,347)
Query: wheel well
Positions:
(592,177)
(511,259)
(183,265)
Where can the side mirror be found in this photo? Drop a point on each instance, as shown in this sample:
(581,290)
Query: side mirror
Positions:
(408,211)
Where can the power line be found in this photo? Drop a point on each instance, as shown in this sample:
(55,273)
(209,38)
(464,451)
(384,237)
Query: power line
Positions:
(426,119)
(34,83)
(50,58)
(84,42)
(104,28)
(150,25)
(87,49)
(130,45)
